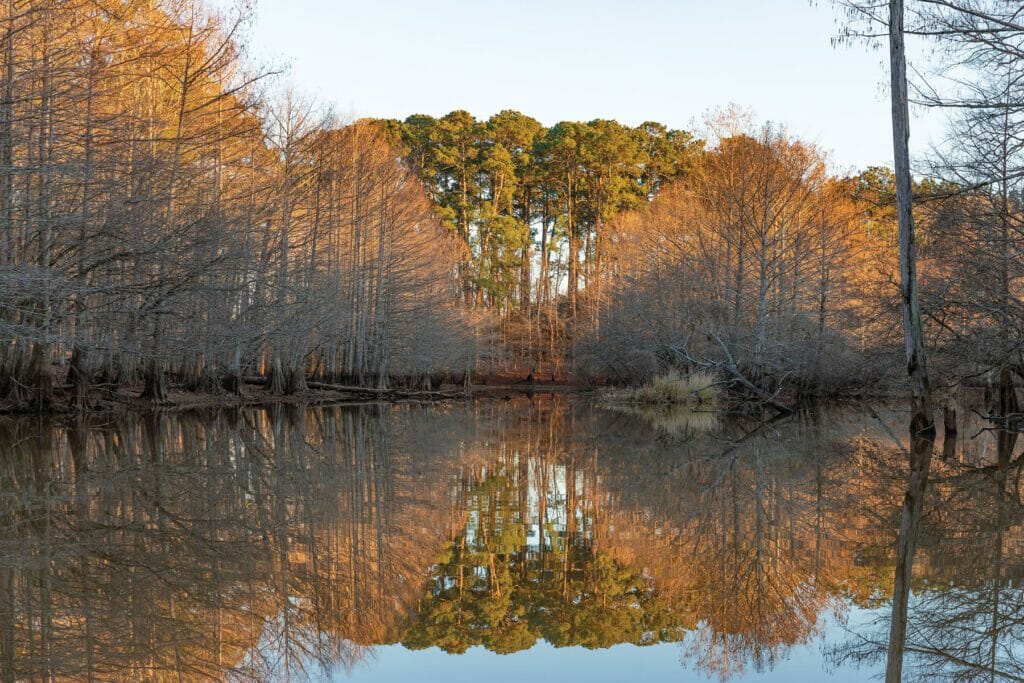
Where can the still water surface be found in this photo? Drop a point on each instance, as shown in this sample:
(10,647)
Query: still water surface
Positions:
(532,539)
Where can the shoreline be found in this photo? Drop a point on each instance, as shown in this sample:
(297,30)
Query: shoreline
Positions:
(315,396)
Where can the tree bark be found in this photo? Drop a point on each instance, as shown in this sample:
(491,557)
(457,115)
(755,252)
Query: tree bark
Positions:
(913,329)
(922,426)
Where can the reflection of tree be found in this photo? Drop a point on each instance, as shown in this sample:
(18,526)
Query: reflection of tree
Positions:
(749,536)
(737,536)
(524,568)
(268,543)
(966,616)
(252,545)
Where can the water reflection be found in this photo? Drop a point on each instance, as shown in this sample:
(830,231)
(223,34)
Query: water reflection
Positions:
(965,620)
(264,544)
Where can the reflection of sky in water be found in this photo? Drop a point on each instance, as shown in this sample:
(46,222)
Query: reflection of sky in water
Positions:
(617,664)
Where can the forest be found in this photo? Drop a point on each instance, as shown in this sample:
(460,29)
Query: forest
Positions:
(175,220)
(181,226)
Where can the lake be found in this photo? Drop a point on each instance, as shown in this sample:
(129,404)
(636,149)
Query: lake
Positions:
(536,538)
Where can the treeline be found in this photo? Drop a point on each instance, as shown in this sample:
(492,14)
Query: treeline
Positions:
(759,264)
(621,251)
(169,220)
(744,253)
(767,269)
(532,203)
(165,217)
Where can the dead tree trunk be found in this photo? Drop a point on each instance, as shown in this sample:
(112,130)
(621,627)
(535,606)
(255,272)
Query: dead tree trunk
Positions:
(913,329)
(922,426)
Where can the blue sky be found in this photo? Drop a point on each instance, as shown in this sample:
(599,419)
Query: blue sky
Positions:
(631,60)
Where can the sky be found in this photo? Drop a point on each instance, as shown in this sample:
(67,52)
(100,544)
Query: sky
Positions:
(631,60)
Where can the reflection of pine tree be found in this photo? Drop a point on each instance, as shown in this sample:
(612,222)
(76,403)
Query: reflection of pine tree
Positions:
(263,542)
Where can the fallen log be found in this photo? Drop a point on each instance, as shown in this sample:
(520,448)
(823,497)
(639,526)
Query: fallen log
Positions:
(325,386)
(384,393)
(732,368)
(757,391)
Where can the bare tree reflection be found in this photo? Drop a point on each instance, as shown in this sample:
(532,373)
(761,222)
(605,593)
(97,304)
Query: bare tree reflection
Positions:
(283,543)
(251,545)
(965,620)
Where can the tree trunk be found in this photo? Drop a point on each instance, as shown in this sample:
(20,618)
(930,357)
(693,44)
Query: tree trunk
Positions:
(295,381)
(913,329)
(922,427)
(41,378)
(79,376)
(155,387)
(276,378)
(233,382)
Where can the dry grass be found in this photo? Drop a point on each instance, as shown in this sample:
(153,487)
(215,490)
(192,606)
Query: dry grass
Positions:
(671,402)
(673,419)
(696,390)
